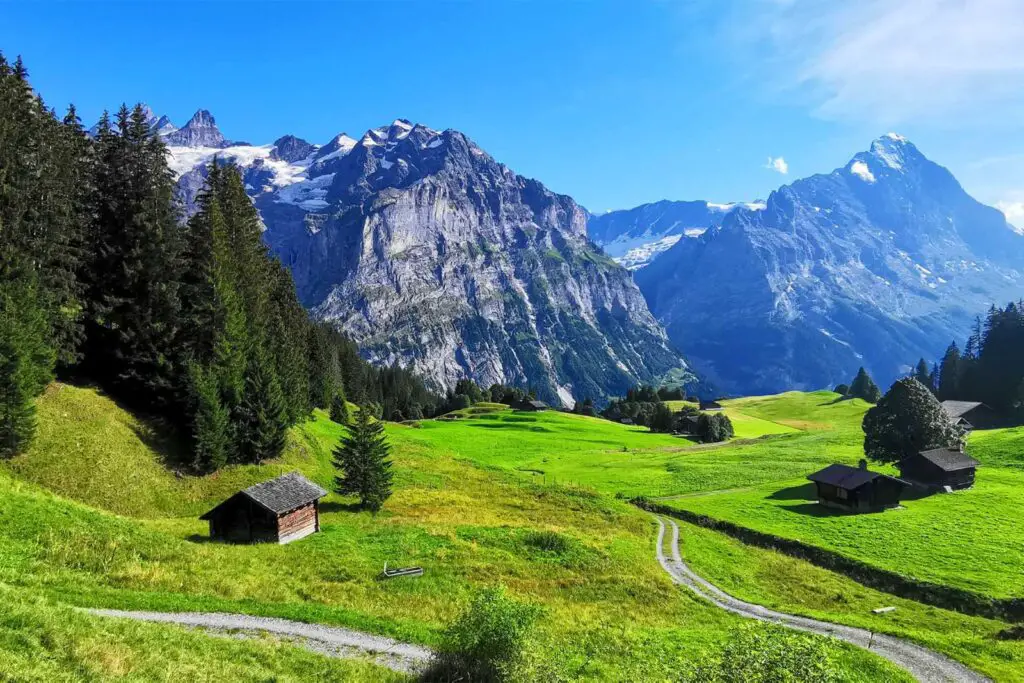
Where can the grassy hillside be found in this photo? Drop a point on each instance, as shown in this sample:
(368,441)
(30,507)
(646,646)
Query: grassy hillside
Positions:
(970,539)
(798,587)
(586,558)
(41,640)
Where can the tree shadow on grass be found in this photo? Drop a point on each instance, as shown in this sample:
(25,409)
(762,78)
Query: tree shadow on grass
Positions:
(517,427)
(334,506)
(835,401)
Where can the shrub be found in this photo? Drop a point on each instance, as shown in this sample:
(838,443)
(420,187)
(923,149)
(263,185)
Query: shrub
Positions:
(906,420)
(842,389)
(548,541)
(714,427)
(486,642)
(768,654)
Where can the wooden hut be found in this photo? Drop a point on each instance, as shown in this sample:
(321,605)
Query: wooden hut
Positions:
(970,414)
(688,424)
(939,468)
(857,489)
(710,405)
(532,405)
(281,510)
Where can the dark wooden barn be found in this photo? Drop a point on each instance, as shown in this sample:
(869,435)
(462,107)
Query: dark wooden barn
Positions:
(857,489)
(281,510)
(710,405)
(970,414)
(688,424)
(938,468)
(532,405)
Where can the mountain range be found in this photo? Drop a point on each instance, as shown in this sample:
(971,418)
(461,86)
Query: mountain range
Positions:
(432,255)
(875,264)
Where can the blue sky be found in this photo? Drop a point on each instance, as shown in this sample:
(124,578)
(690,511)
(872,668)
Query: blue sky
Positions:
(615,103)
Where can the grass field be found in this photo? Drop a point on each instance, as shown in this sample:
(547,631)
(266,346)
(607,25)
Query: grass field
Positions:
(609,609)
(473,496)
(798,587)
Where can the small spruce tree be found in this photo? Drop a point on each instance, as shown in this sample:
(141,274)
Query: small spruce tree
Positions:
(211,422)
(264,423)
(339,409)
(363,462)
(864,387)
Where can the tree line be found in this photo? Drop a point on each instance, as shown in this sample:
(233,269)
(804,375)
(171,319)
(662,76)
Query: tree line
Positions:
(990,368)
(197,323)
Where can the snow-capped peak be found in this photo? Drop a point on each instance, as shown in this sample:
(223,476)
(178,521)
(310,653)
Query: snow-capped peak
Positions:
(891,150)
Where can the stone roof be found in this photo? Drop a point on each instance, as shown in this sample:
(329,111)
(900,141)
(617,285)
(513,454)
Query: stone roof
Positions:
(957,409)
(949,460)
(846,477)
(287,492)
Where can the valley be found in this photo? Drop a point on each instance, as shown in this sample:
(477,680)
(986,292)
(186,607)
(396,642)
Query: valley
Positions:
(476,499)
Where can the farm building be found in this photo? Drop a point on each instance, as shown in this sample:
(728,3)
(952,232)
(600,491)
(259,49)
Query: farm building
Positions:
(710,405)
(688,424)
(277,511)
(857,489)
(532,405)
(970,414)
(627,421)
(938,468)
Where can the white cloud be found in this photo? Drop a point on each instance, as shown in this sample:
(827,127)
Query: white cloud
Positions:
(887,62)
(777,164)
(861,170)
(1014,212)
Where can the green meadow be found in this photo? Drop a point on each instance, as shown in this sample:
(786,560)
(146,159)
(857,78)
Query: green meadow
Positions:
(131,539)
(96,516)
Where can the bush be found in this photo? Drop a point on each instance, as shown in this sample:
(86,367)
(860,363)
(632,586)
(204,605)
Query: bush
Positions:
(547,541)
(768,654)
(486,642)
(842,389)
(714,427)
(907,420)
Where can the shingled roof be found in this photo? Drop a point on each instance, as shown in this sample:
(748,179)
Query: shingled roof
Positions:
(846,477)
(957,409)
(287,492)
(949,460)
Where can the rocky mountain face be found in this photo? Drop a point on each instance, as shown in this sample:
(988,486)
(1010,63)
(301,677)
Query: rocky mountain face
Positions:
(432,255)
(878,263)
(633,237)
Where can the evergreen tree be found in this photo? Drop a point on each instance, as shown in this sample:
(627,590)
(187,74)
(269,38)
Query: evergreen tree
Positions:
(864,387)
(132,276)
(339,409)
(211,422)
(26,361)
(923,374)
(949,374)
(908,419)
(662,420)
(263,414)
(363,462)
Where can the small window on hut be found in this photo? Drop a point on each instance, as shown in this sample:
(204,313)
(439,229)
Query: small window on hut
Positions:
(841,494)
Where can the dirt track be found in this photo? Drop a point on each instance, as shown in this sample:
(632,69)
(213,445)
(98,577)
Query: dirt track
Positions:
(922,663)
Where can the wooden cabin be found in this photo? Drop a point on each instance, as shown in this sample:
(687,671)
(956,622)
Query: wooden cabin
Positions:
(281,510)
(627,421)
(710,405)
(857,489)
(970,414)
(939,468)
(532,405)
(688,424)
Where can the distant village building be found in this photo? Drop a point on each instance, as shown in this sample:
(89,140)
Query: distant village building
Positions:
(627,421)
(938,468)
(277,511)
(688,424)
(532,405)
(857,489)
(710,405)
(970,414)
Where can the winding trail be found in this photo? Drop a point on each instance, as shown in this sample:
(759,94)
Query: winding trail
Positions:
(924,664)
(331,641)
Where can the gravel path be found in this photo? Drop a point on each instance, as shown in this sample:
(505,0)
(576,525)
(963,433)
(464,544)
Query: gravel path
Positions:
(326,640)
(924,664)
